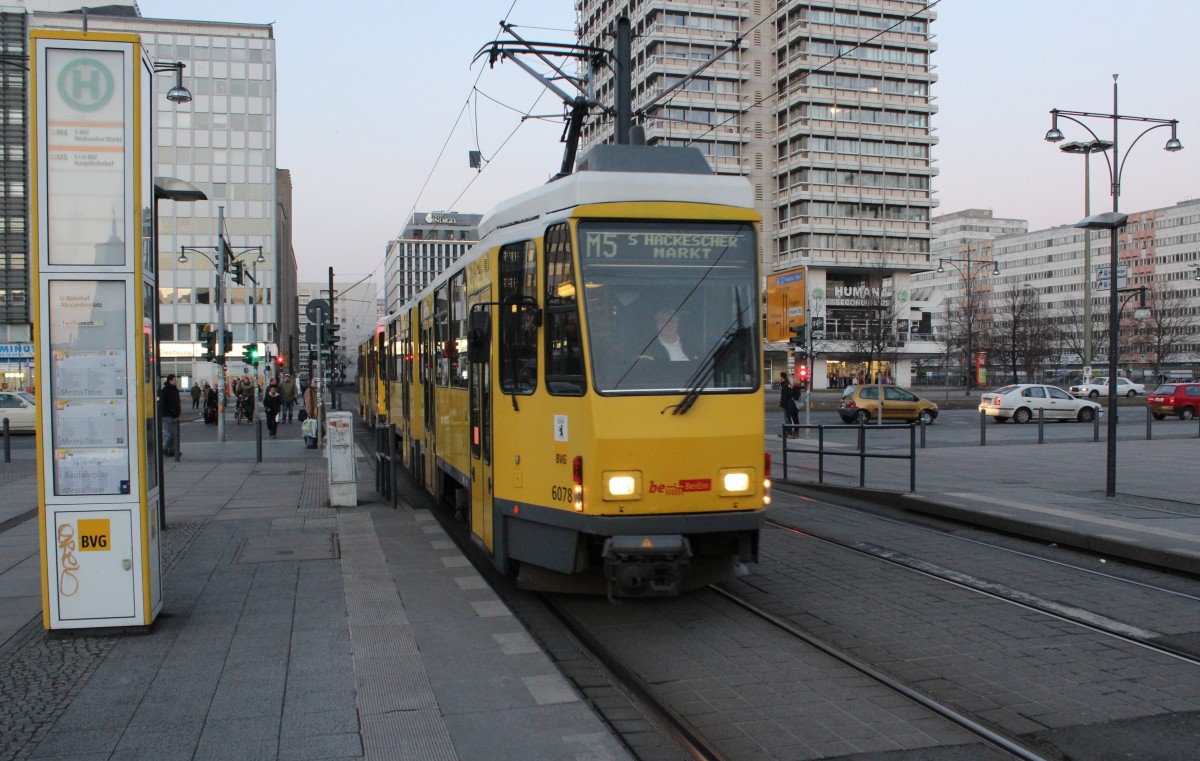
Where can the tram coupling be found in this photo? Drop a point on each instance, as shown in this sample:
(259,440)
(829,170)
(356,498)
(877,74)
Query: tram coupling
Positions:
(646,566)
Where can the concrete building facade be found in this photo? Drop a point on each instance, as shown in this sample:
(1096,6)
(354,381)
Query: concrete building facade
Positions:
(1040,290)
(223,142)
(429,243)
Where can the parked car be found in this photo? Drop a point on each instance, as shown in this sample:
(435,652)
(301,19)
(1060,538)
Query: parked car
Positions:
(21,410)
(860,404)
(1099,387)
(1020,403)
(1181,399)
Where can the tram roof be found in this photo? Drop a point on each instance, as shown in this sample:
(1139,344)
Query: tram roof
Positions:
(613,174)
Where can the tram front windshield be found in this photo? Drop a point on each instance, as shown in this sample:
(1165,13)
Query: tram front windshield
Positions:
(671,305)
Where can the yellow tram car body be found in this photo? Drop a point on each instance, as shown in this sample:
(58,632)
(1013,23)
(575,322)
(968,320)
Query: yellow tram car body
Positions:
(543,386)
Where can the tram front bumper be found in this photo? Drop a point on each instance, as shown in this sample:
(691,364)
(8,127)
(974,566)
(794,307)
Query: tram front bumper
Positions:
(646,565)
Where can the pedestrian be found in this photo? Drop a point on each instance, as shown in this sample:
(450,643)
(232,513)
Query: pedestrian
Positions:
(787,400)
(195,392)
(210,404)
(168,405)
(271,405)
(288,394)
(312,398)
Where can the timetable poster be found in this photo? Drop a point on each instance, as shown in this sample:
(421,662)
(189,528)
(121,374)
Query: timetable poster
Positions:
(79,472)
(85,156)
(90,423)
(89,381)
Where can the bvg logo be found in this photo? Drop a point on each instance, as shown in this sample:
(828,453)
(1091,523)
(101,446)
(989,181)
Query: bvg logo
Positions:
(86,84)
(95,535)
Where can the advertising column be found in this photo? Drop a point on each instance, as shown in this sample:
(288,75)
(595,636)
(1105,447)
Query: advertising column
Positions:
(94,329)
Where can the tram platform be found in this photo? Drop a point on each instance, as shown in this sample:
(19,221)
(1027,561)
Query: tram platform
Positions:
(1049,492)
(290,630)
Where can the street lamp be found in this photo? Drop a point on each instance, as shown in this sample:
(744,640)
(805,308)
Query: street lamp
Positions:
(1142,312)
(1112,221)
(178,93)
(1087,149)
(170,189)
(968,272)
(221,263)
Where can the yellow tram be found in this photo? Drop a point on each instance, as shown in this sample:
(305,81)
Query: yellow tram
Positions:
(583,386)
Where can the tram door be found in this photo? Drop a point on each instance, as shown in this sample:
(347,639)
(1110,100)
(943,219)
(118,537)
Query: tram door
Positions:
(481,431)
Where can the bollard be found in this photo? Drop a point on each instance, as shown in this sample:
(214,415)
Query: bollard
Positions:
(7,443)
(1096,427)
(922,424)
(1149,417)
(258,438)
(178,440)
(982,428)
(1041,426)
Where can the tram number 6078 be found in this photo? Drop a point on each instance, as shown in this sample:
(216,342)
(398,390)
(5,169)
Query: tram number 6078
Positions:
(560,493)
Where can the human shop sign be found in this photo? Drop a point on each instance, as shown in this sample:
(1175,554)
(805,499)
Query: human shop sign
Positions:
(854,295)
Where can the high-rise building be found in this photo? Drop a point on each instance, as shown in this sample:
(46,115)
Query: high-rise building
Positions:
(223,142)
(826,108)
(429,243)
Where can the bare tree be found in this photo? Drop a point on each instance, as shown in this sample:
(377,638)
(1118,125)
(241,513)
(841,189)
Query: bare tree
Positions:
(969,324)
(1171,321)
(1022,338)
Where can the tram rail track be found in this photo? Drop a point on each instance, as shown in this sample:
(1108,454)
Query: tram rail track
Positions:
(1088,619)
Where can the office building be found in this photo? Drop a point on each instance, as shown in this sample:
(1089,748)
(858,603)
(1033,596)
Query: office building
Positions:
(223,142)
(428,245)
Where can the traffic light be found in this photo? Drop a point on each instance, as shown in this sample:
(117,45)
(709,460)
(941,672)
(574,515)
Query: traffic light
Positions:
(799,335)
(210,345)
(228,341)
(329,336)
(239,273)
(280,362)
(803,375)
(250,354)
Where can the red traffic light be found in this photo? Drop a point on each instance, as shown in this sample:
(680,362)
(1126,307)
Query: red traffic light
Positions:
(279,361)
(803,372)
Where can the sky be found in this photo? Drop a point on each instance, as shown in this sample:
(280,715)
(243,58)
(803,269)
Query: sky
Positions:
(378,104)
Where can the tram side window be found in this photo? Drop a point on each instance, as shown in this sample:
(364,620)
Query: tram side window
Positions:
(518,315)
(441,326)
(456,346)
(564,349)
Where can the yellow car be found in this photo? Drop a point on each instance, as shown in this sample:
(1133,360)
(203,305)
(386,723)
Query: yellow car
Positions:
(860,404)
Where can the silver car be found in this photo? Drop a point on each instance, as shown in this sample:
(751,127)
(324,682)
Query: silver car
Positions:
(1021,402)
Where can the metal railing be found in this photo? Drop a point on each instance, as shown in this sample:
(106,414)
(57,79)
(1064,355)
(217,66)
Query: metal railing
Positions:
(860,451)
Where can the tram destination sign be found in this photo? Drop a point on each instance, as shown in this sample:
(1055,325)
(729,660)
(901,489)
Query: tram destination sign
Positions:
(660,245)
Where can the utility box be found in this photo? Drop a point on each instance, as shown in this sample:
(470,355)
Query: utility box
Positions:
(343,482)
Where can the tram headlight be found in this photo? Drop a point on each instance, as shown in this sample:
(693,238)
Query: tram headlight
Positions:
(622,484)
(736,482)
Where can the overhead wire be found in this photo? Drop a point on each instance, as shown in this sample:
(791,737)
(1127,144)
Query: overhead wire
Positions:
(442,151)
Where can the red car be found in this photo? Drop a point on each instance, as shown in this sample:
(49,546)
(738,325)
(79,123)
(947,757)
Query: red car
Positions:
(1182,399)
